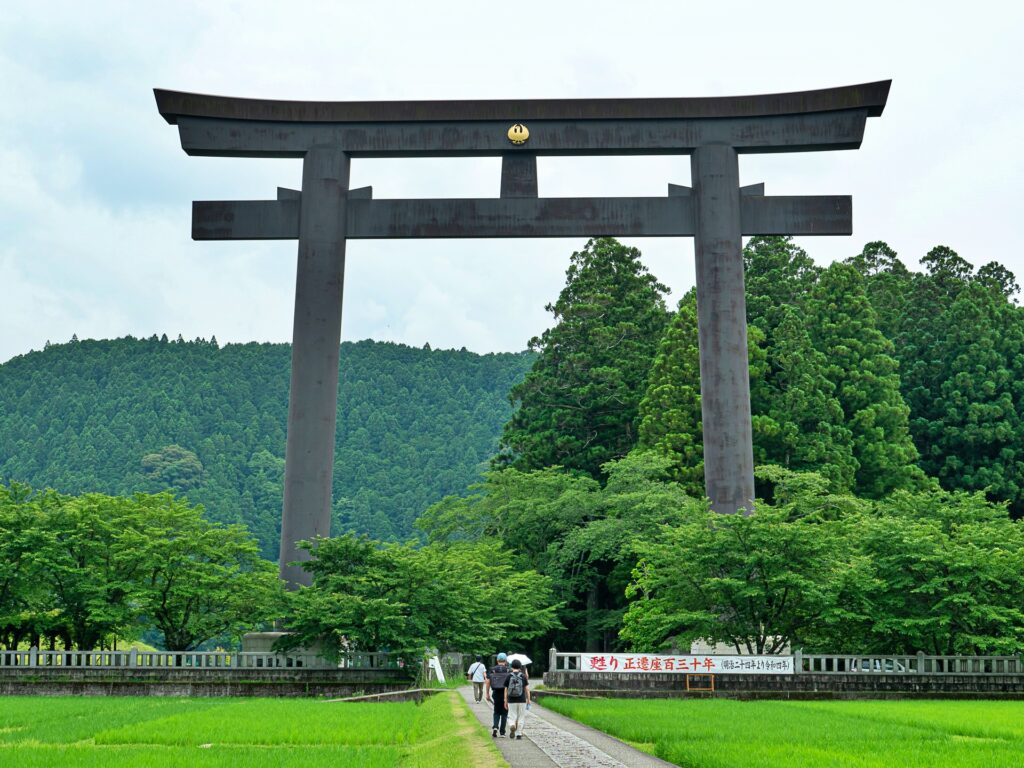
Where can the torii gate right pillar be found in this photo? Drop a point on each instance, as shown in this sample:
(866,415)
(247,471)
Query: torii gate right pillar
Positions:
(722,330)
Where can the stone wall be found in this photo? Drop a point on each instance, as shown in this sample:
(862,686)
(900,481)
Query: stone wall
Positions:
(799,686)
(332,683)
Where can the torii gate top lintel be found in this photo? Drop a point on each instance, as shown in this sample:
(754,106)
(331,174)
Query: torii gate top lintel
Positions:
(869,96)
(830,118)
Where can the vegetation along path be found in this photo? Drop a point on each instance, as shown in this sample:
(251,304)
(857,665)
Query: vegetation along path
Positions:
(157,732)
(552,740)
(813,734)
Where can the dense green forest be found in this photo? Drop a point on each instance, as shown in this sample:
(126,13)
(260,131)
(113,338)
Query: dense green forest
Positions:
(208,421)
(887,406)
(888,424)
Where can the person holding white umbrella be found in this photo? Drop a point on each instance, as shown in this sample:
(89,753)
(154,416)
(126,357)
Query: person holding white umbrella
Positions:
(523,659)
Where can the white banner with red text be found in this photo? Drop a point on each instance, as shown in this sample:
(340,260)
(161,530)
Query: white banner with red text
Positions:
(706,665)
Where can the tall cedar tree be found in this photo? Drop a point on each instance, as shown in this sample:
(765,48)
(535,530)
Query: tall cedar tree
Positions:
(958,339)
(887,282)
(670,415)
(797,421)
(919,330)
(862,366)
(670,411)
(810,433)
(778,274)
(970,431)
(578,405)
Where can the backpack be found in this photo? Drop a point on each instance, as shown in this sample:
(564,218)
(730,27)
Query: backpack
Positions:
(515,685)
(499,676)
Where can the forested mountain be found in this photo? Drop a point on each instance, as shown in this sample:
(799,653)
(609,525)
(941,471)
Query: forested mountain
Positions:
(209,422)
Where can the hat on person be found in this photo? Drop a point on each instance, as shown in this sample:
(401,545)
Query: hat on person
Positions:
(502,657)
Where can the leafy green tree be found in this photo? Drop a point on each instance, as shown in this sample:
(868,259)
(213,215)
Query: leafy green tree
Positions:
(369,596)
(23,609)
(957,339)
(577,407)
(947,576)
(530,513)
(91,569)
(91,586)
(755,582)
(197,580)
(173,467)
(947,268)
(571,529)
(863,370)
(918,328)
(595,560)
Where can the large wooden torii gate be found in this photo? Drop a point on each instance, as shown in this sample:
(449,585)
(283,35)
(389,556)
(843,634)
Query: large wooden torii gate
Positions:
(716,211)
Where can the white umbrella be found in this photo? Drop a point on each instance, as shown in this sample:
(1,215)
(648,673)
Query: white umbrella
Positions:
(522,657)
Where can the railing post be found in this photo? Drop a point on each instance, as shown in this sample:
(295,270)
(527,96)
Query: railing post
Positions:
(798,661)
(553,658)
(920,662)
(133,657)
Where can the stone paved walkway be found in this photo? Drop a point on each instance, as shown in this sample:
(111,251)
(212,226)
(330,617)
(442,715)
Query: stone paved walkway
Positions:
(553,741)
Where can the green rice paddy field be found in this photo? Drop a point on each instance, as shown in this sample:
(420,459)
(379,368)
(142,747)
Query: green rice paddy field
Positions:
(789,734)
(256,733)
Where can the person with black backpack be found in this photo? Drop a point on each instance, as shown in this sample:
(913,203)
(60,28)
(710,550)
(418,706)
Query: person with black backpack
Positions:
(497,676)
(517,699)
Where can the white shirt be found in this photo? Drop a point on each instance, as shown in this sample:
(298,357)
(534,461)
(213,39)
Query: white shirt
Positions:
(477,671)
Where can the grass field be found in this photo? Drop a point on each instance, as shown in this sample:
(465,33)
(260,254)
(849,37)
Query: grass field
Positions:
(257,733)
(720,733)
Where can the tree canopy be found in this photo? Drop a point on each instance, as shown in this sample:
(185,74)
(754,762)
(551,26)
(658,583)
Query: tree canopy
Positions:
(577,406)
(87,570)
(406,599)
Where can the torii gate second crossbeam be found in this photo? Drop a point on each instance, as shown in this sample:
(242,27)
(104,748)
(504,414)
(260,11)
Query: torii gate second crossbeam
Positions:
(325,213)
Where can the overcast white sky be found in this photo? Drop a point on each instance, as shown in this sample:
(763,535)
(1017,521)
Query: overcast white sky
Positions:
(95,191)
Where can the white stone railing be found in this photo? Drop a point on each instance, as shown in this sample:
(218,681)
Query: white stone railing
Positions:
(220,660)
(916,664)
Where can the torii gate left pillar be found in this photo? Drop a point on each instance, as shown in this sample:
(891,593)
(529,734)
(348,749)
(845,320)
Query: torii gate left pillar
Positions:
(316,339)
(717,211)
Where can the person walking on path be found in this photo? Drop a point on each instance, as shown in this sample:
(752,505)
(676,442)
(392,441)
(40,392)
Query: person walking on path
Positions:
(517,699)
(476,674)
(497,676)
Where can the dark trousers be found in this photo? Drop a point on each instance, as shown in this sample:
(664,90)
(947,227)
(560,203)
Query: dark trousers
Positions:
(500,713)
